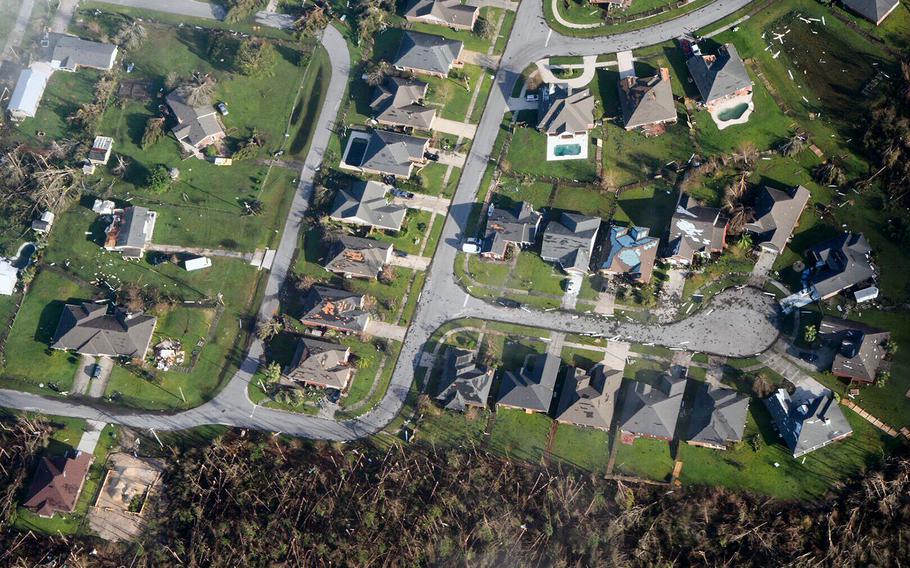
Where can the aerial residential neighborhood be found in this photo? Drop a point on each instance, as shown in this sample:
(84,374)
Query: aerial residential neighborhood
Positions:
(454,283)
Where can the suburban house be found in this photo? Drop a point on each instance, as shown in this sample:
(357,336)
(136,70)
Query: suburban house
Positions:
(29,91)
(517,226)
(356,257)
(68,53)
(860,349)
(531,388)
(588,398)
(717,418)
(130,231)
(101,150)
(92,329)
(365,203)
(651,411)
(720,79)
(9,277)
(331,308)
(44,223)
(449,13)
(632,253)
(569,241)
(839,264)
(695,229)
(320,364)
(465,382)
(565,116)
(393,153)
(647,102)
(398,102)
(57,483)
(807,418)
(428,54)
(197,126)
(873,10)
(776,216)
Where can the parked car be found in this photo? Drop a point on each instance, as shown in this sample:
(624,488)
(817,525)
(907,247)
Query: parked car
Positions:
(505,302)
(388,180)
(572,286)
(333,395)
(96,371)
(431,156)
(400,253)
(222,108)
(402,194)
(470,248)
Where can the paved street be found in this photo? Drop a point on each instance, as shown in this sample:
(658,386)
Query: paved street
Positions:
(735,323)
(15,36)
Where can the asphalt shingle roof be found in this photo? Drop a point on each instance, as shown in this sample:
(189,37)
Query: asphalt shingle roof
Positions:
(567,112)
(718,416)
(695,228)
(809,418)
(532,387)
(90,329)
(861,352)
(398,101)
(873,10)
(393,153)
(356,256)
(517,225)
(647,100)
(588,398)
(365,203)
(632,251)
(72,52)
(442,12)
(426,52)
(776,215)
(841,263)
(465,382)
(334,308)
(719,78)
(319,363)
(570,240)
(652,411)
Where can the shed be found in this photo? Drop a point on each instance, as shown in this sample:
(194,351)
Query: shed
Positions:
(197,263)
(8,278)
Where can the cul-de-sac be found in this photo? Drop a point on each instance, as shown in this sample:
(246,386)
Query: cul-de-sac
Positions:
(454,283)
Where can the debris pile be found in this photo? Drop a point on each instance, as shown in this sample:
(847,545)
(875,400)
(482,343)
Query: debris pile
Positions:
(169,353)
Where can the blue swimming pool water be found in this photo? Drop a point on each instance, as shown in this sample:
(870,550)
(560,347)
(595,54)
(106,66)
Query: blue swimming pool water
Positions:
(567,150)
(733,113)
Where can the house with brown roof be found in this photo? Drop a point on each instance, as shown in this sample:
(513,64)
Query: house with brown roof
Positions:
(588,398)
(319,364)
(356,257)
(331,308)
(776,216)
(450,13)
(57,483)
(93,329)
(695,230)
(465,382)
(860,348)
(647,102)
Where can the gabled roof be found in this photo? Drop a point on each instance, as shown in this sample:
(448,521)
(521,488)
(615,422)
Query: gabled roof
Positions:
(862,348)
(356,256)
(444,12)
(131,229)
(335,309)
(426,52)
(567,112)
(647,100)
(718,416)
(398,101)
(632,251)
(393,153)
(69,52)
(588,398)
(719,76)
(809,418)
(365,203)
(776,215)
(695,228)
(465,382)
(570,240)
(29,89)
(517,225)
(194,124)
(845,262)
(872,10)
(90,329)
(653,411)
(319,363)
(532,387)
(57,483)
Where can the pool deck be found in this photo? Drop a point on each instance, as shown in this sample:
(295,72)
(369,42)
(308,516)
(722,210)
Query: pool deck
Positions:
(729,105)
(555,141)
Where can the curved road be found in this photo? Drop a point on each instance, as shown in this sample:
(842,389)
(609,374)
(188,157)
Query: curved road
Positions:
(741,323)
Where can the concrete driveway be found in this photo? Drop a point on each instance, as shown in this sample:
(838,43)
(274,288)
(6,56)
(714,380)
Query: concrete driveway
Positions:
(97,386)
(447,126)
(412,261)
(573,283)
(763,266)
(424,202)
(83,376)
(386,330)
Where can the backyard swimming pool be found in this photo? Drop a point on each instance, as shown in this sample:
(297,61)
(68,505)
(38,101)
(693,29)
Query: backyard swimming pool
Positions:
(567,150)
(733,112)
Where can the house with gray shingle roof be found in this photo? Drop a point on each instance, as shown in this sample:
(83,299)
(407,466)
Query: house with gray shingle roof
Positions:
(531,388)
(860,351)
(808,417)
(197,126)
(588,398)
(428,54)
(839,264)
(720,77)
(91,329)
(647,102)
(632,253)
(695,230)
(331,308)
(356,257)
(465,382)
(652,411)
(569,241)
(449,13)
(565,112)
(873,10)
(393,153)
(776,216)
(130,231)
(399,102)
(366,203)
(516,227)
(319,364)
(717,418)
(69,53)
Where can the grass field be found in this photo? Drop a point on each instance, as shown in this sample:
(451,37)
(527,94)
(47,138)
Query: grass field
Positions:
(520,435)
(649,207)
(586,200)
(64,94)
(585,448)
(527,154)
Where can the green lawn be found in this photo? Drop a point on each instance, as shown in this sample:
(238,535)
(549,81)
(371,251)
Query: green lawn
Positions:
(64,94)
(413,232)
(448,429)
(585,448)
(537,193)
(649,207)
(586,200)
(644,458)
(630,157)
(520,435)
(585,358)
(453,95)
(527,154)
(532,273)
